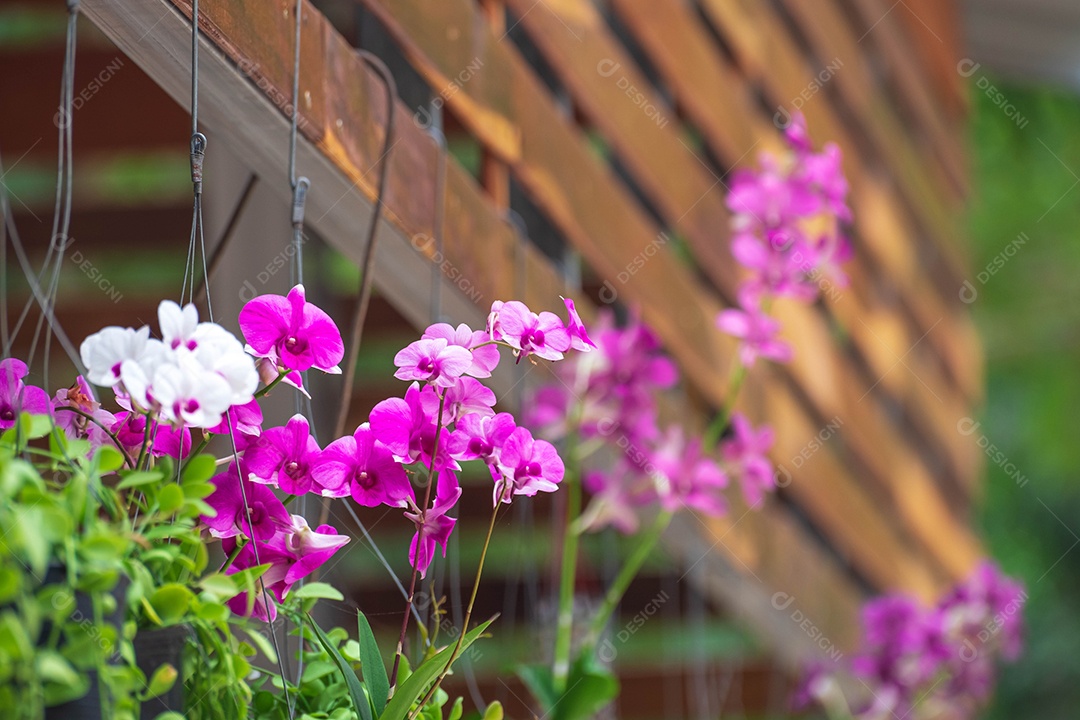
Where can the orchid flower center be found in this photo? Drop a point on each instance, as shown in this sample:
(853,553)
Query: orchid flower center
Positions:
(426,366)
(7,413)
(292,468)
(365,479)
(534,337)
(480,446)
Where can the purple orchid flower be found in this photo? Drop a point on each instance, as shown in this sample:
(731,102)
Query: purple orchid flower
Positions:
(465,397)
(284,456)
(268,514)
(543,335)
(361,465)
(485,356)
(744,454)
(166,440)
(272,554)
(579,337)
(479,437)
(302,335)
(245,421)
(309,550)
(432,361)
(433,527)
(15,397)
(758,334)
(526,466)
(408,428)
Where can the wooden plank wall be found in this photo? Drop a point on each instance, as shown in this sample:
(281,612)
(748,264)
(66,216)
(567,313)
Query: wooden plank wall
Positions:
(892,359)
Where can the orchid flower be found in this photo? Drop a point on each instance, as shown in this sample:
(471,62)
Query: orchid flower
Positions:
(284,456)
(433,527)
(362,466)
(16,397)
(300,334)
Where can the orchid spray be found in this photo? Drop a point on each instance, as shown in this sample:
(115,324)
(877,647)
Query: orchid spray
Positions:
(787,219)
(923,661)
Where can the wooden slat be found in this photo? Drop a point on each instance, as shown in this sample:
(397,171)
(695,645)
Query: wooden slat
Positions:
(832,37)
(676,179)
(337,157)
(407,21)
(873,320)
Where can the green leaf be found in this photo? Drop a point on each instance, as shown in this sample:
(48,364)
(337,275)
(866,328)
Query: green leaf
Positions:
(198,469)
(170,499)
(266,647)
(40,426)
(318,590)
(109,459)
(539,680)
(160,682)
(494,711)
(590,688)
(371,663)
(421,679)
(458,709)
(171,602)
(316,670)
(139,478)
(219,584)
(356,688)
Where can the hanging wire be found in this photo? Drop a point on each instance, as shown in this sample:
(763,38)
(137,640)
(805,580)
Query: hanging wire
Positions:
(229,231)
(198,241)
(364,297)
(61,225)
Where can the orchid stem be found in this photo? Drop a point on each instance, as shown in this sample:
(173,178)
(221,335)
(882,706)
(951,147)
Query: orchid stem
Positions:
(432,475)
(468,617)
(272,385)
(626,575)
(568,571)
(112,435)
(720,422)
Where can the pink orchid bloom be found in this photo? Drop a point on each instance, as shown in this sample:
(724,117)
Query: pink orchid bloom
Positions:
(744,453)
(245,421)
(284,456)
(433,527)
(432,361)
(579,338)
(479,437)
(302,335)
(268,514)
(361,465)
(526,466)
(758,334)
(292,554)
(309,549)
(465,397)
(543,335)
(165,440)
(485,356)
(612,504)
(408,427)
(15,397)
(272,554)
(685,477)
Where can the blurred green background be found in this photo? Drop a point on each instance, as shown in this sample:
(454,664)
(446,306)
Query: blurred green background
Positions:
(1027,180)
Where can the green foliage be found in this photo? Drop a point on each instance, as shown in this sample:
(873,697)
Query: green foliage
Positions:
(1027,316)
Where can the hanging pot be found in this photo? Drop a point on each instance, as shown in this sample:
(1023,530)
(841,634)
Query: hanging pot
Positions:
(154,648)
(87,707)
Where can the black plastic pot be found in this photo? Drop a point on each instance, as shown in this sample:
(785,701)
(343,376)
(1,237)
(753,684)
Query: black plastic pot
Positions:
(154,648)
(87,707)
